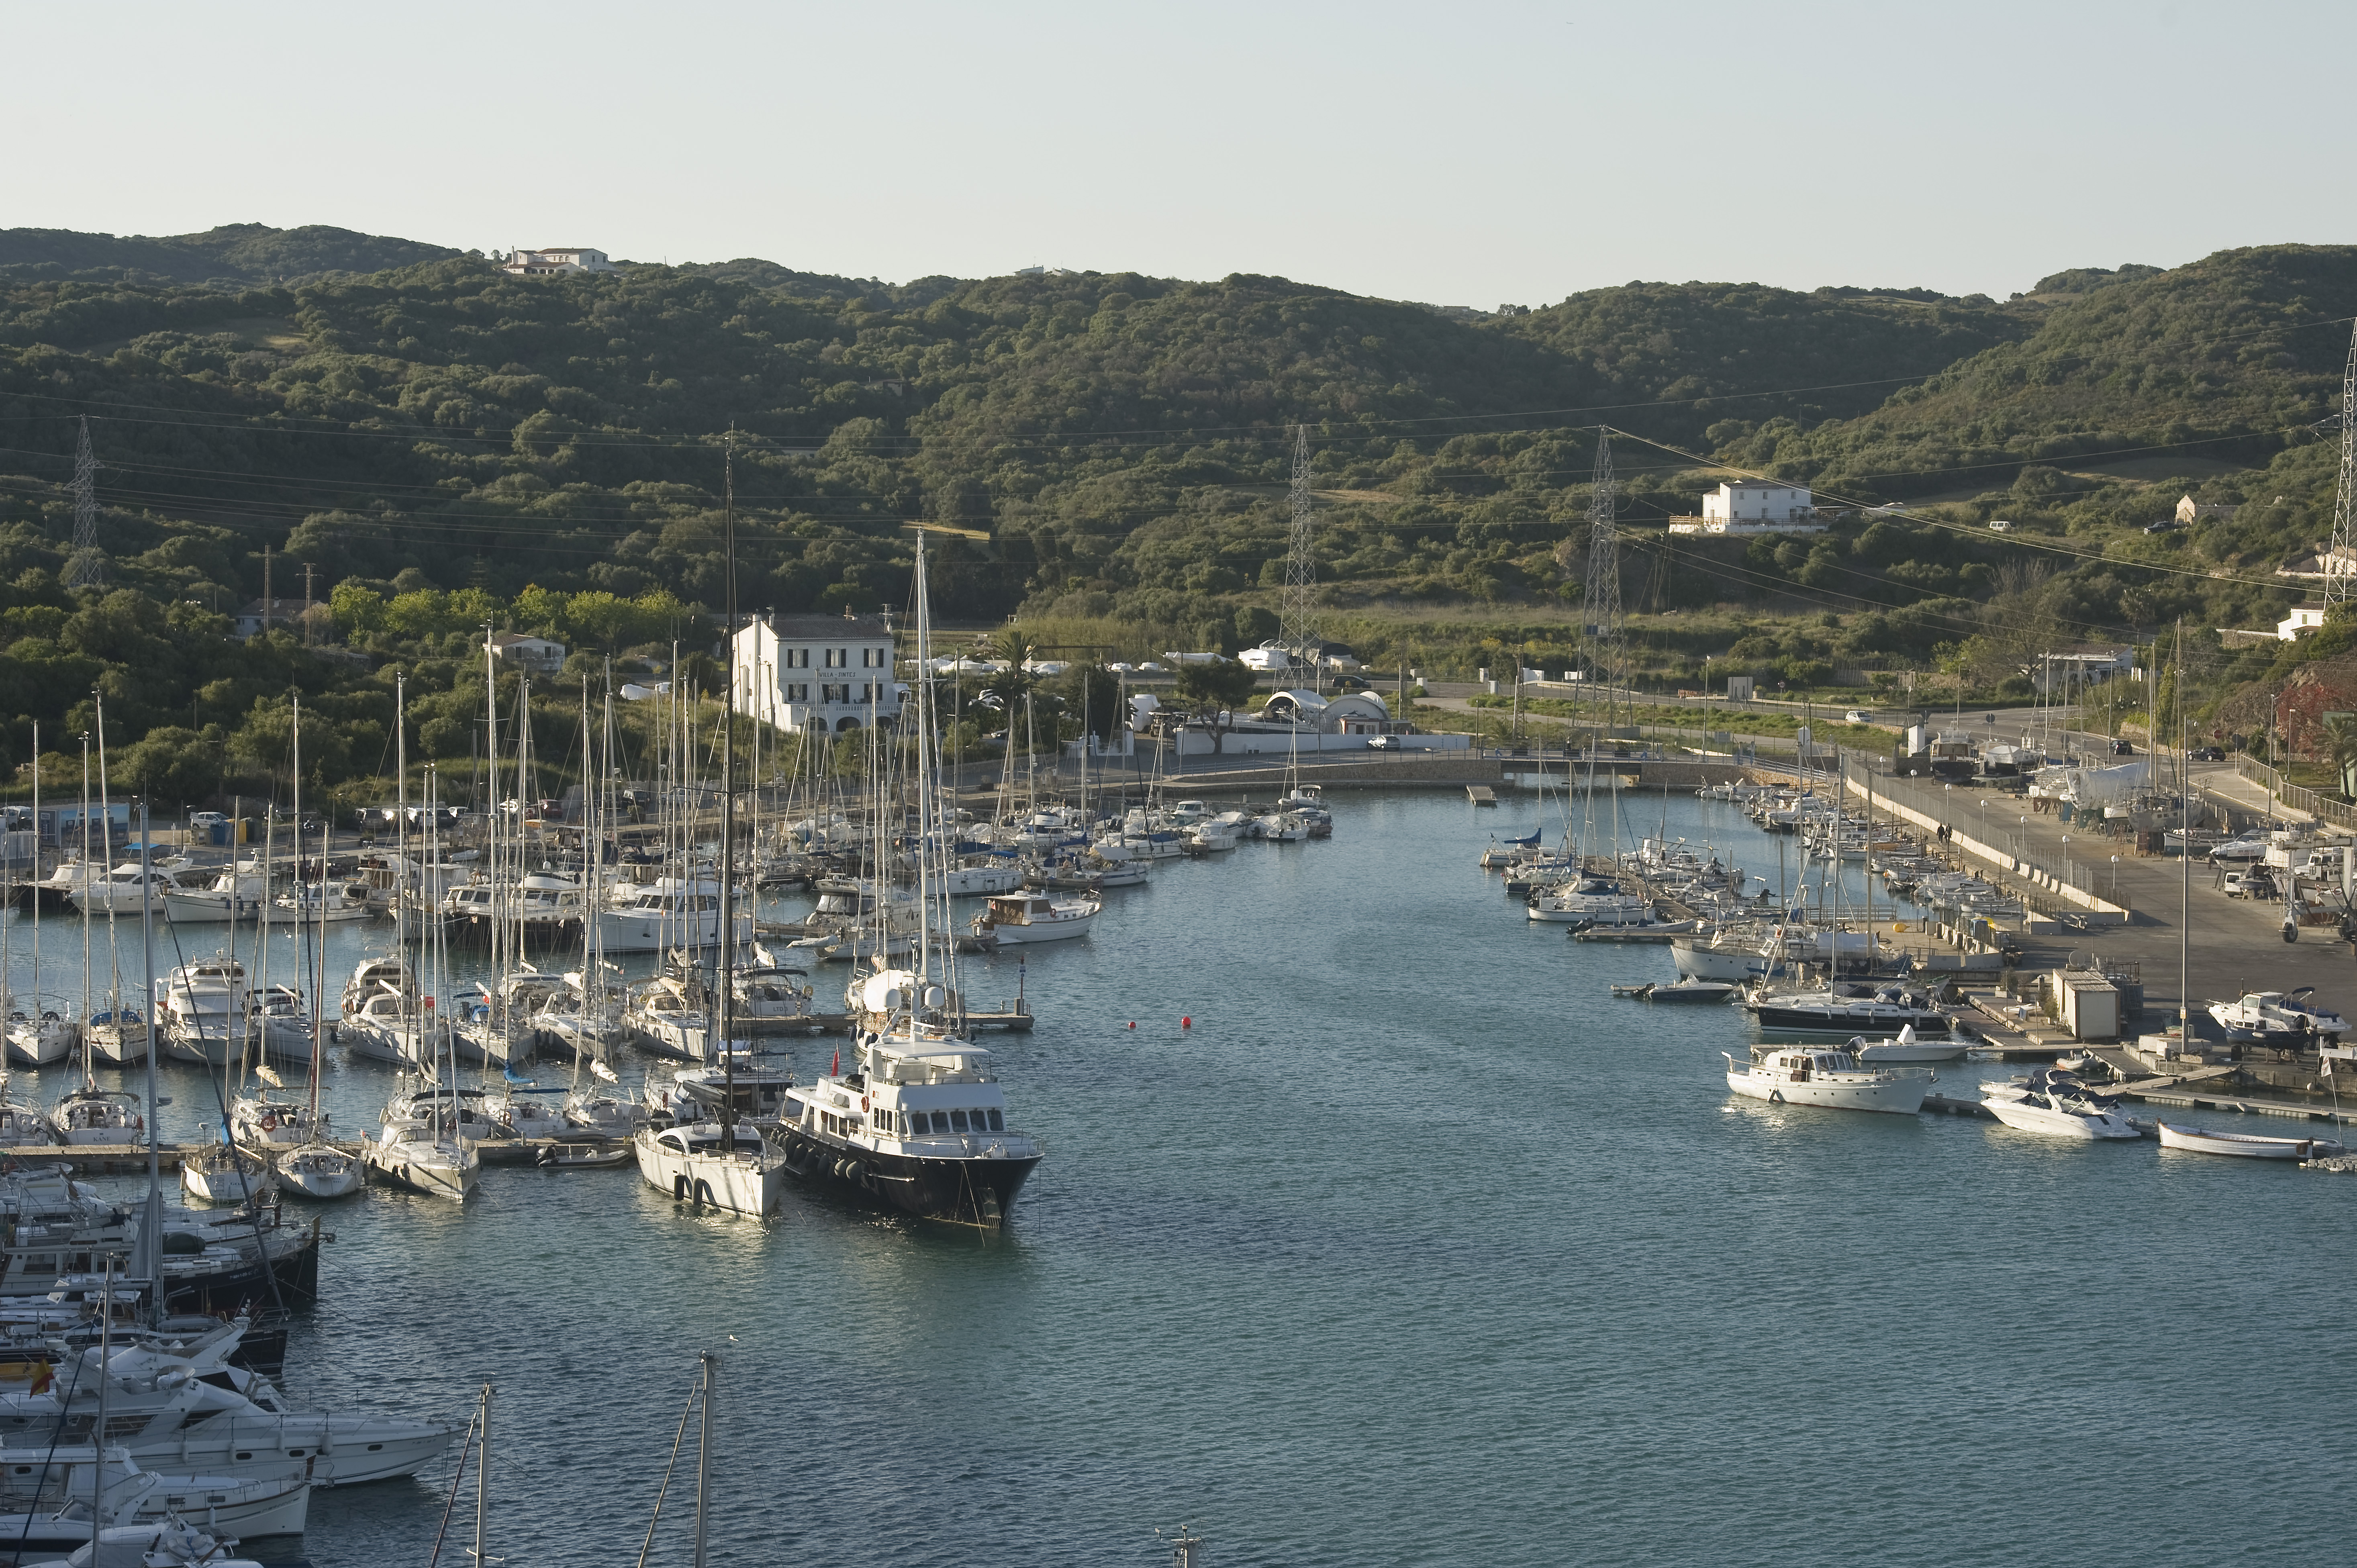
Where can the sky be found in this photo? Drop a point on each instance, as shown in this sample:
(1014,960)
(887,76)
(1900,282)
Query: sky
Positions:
(1479,154)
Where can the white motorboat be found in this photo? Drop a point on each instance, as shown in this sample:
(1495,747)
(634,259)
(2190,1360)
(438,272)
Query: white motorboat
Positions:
(981,876)
(23,1126)
(236,894)
(119,891)
(1818,1075)
(1034,918)
(1906,1047)
(59,1483)
(319,1171)
(197,1413)
(2248,1145)
(175,1543)
(734,1170)
(311,902)
(2058,1105)
(2278,1018)
(667,914)
(205,1012)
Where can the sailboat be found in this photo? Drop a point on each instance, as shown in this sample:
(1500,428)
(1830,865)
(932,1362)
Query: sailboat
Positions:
(721,1164)
(316,1169)
(428,1153)
(39,1033)
(91,1114)
(380,1018)
(920,1124)
(115,1034)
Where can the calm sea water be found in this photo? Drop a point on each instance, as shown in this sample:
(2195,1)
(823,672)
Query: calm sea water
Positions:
(1416,1248)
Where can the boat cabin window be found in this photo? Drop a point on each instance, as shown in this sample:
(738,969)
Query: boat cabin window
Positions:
(957,1120)
(998,1123)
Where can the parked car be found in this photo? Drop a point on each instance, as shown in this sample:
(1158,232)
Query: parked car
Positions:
(2208,754)
(2250,882)
(1859,716)
(201,820)
(2122,749)
(1346,684)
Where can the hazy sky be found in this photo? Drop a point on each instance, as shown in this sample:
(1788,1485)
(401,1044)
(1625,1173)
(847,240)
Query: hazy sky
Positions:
(1468,153)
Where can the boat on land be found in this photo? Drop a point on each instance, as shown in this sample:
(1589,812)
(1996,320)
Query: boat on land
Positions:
(2248,1145)
(1821,1075)
(2059,1105)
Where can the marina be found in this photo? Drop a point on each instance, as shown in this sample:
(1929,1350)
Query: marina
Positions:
(1100,1223)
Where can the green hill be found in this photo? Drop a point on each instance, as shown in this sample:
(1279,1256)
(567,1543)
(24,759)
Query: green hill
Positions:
(443,441)
(233,253)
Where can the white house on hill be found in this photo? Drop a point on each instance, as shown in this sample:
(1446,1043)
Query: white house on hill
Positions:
(557,260)
(1753,506)
(815,672)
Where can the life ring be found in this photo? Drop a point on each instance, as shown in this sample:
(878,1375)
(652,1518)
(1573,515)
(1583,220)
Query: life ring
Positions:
(863,1102)
(270,1122)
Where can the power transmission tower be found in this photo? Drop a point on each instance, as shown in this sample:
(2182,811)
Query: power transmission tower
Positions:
(1300,567)
(1601,622)
(2336,557)
(85,566)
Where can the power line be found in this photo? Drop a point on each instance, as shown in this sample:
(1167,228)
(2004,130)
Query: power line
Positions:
(1300,565)
(2336,580)
(85,568)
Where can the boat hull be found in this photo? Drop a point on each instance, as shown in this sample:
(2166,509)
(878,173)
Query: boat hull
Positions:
(2247,1145)
(735,1184)
(2053,1124)
(976,1190)
(1898,1096)
(1846,1021)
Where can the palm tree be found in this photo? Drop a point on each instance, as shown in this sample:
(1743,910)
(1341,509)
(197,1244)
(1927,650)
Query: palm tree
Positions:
(2340,744)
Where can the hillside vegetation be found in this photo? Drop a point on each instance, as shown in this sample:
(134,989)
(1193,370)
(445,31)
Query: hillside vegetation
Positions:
(434,438)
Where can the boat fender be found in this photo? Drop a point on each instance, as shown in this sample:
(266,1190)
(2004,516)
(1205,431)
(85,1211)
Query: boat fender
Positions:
(679,1189)
(856,1174)
(703,1192)
(1776,1097)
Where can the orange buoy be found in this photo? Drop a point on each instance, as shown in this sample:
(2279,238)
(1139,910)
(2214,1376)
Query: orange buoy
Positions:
(1133,1023)
(1185,1022)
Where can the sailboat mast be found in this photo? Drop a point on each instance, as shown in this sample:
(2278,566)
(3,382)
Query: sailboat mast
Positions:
(89,1077)
(925,800)
(2185,855)
(725,964)
(106,837)
(704,1458)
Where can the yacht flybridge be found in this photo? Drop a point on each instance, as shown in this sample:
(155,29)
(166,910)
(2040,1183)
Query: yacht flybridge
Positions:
(919,1124)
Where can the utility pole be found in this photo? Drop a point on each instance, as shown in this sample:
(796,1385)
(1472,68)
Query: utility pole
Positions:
(85,568)
(268,604)
(1300,565)
(2335,559)
(1601,620)
(306,604)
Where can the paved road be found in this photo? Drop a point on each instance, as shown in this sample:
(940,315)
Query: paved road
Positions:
(2235,946)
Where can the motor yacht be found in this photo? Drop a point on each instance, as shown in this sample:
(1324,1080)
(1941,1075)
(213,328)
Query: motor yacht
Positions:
(46,1500)
(919,1125)
(1818,1075)
(119,891)
(236,894)
(2059,1105)
(1035,918)
(206,1010)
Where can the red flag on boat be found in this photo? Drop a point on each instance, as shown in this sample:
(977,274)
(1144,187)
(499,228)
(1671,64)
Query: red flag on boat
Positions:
(838,1066)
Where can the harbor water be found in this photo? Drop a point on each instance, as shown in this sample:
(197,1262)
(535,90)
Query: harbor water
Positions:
(1415,1247)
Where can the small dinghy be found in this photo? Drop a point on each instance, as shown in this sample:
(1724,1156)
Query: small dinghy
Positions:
(1638,992)
(582,1156)
(1906,1047)
(1694,991)
(2247,1145)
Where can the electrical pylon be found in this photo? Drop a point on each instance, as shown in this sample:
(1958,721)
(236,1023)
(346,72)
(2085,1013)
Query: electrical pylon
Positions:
(2337,554)
(1293,629)
(85,566)
(1601,620)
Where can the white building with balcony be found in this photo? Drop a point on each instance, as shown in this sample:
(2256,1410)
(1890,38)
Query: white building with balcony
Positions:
(1753,506)
(556,260)
(816,672)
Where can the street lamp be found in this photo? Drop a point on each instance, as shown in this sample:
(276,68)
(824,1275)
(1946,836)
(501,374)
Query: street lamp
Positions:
(2115,880)
(2066,858)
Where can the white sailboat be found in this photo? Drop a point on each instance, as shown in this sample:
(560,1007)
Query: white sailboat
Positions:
(39,1032)
(428,1153)
(721,1163)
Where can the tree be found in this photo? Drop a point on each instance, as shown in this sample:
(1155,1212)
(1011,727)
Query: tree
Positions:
(173,766)
(2340,744)
(1091,694)
(1213,691)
